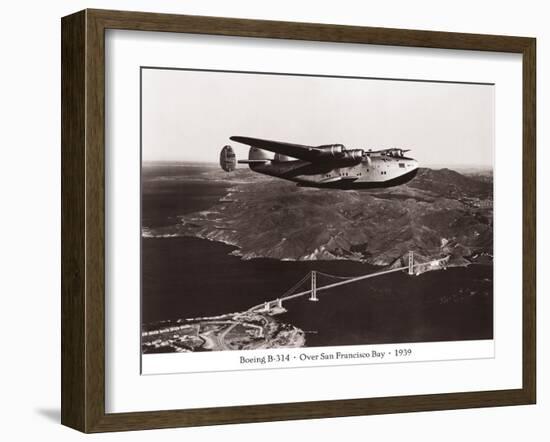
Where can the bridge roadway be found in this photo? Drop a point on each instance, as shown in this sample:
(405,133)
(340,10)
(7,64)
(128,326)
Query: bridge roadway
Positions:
(339,283)
(330,286)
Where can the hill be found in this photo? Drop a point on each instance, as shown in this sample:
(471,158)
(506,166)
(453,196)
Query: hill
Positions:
(440,212)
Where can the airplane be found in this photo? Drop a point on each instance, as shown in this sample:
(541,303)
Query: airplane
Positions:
(327,166)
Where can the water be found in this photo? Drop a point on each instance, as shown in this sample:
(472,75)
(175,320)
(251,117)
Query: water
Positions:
(189,277)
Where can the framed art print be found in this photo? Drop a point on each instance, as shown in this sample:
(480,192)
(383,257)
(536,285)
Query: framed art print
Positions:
(271,220)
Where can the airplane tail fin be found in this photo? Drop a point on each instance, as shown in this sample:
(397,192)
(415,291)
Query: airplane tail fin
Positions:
(228,159)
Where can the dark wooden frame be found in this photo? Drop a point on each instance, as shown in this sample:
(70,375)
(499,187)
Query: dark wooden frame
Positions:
(83,216)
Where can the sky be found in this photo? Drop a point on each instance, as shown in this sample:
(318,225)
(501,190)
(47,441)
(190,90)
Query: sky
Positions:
(190,115)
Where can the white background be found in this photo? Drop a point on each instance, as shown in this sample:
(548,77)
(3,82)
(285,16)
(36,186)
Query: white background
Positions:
(30,219)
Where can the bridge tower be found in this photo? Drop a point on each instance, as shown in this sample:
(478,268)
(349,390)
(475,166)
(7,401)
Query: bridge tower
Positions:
(267,306)
(313,286)
(279,303)
(411,262)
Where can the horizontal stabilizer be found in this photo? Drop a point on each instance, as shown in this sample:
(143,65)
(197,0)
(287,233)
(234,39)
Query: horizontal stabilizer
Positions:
(253,161)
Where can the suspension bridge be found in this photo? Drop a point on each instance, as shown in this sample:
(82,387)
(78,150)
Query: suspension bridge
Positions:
(412,268)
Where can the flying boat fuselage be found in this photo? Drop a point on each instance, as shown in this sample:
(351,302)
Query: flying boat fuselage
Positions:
(330,166)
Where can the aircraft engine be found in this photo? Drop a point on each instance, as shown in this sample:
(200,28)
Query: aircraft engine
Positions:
(228,159)
(354,154)
(332,151)
(339,152)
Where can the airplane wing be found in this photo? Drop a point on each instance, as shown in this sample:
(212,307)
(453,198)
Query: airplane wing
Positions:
(306,153)
(392,150)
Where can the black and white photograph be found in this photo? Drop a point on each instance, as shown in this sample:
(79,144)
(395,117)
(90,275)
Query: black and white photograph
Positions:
(300,210)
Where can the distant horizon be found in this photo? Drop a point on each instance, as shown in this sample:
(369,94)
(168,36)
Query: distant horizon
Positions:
(215,164)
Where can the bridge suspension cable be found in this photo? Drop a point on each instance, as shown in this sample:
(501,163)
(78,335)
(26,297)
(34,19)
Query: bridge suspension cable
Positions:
(334,276)
(295,286)
(309,275)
